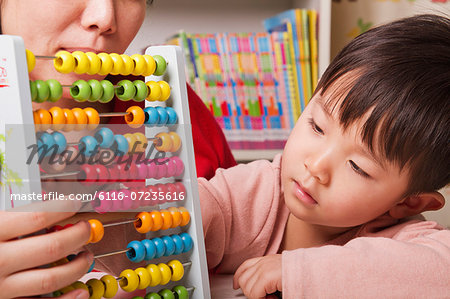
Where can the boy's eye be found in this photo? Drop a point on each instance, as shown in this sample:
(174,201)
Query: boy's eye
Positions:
(358,170)
(315,127)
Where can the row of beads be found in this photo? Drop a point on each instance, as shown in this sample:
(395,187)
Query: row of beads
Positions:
(56,143)
(154,248)
(121,200)
(79,119)
(130,280)
(104,63)
(177,292)
(91,174)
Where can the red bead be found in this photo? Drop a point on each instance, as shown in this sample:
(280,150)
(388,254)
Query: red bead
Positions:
(87,175)
(123,174)
(161,169)
(171,168)
(151,195)
(180,165)
(102,173)
(141,171)
(114,173)
(181,189)
(152,169)
(172,189)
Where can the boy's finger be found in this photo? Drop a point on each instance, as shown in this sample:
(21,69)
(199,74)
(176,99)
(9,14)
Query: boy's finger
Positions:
(43,249)
(242,268)
(77,294)
(45,281)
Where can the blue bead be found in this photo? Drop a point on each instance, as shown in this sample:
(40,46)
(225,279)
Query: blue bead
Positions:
(173,118)
(163,116)
(151,116)
(60,141)
(150,249)
(179,245)
(187,241)
(91,267)
(137,252)
(46,145)
(160,247)
(105,137)
(88,146)
(120,145)
(170,245)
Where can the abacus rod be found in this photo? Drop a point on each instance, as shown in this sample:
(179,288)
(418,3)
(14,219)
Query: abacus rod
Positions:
(111,253)
(56,175)
(45,57)
(120,223)
(110,114)
(183,264)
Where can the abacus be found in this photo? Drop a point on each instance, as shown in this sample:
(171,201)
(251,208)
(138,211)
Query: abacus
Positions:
(154,156)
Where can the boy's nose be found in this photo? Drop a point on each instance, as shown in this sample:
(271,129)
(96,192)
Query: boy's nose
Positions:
(99,15)
(318,165)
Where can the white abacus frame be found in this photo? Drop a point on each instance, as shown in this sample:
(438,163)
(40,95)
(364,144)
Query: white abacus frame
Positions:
(16,110)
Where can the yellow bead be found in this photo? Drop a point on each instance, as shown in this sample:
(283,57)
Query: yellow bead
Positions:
(165,90)
(141,141)
(166,273)
(154,91)
(111,286)
(96,288)
(144,278)
(151,65)
(106,65)
(67,289)
(155,274)
(118,64)
(64,62)
(164,142)
(95,63)
(176,141)
(81,62)
(80,285)
(140,64)
(131,141)
(31,60)
(130,281)
(177,269)
(128,65)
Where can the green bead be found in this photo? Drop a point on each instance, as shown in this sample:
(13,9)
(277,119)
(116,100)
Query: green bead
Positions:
(160,65)
(181,292)
(125,90)
(80,91)
(166,294)
(152,296)
(137,297)
(56,90)
(96,90)
(57,293)
(43,91)
(108,91)
(33,91)
(141,90)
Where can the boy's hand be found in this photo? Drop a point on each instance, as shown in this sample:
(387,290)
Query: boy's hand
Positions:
(258,277)
(21,258)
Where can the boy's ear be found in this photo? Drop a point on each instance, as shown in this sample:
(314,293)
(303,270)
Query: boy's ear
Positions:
(416,204)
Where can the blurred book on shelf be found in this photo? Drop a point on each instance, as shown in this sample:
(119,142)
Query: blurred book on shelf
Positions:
(255,84)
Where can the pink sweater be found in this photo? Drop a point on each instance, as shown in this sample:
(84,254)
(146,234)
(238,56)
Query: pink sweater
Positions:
(244,216)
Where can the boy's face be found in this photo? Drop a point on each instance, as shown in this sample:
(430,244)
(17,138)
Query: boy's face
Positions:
(328,175)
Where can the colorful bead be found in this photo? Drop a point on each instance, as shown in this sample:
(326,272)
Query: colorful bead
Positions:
(150,65)
(167,219)
(125,90)
(56,90)
(106,65)
(67,289)
(43,91)
(111,286)
(108,91)
(141,90)
(120,145)
(179,245)
(118,64)
(131,142)
(161,65)
(181,292)
(136,252)
(135,116)
(93,118)
(176,216)
(160,247)
(163,116)
(80,91)
(166,294)
(169,245)
(128,65)
(31,60)
(33,90)
(141,142)
(104,137)
(154,91)
(97,288)
(95,63)
(60,141)
(46,145)
(140,64)
(150,249)
(157,220)
(163,143)
(45,119)
(187,241)
(176,141)
(80,285)
(165,90)
(143,223)
(81,62)
(180,165)
(151,116)
(155,274)
(88,146)
(71,121)
(96,90)
(130,281)
(64,62)
(177,270)
(152,295)
(166,273)
(144,278)
(172,116)
(97,231)
(58,118)
(185,216)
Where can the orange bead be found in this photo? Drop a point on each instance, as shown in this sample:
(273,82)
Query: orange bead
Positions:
(97,231)
(58,118)
(135,116)
(167,219)
(70,120)
(37,121)
(45,119)
(93,119)
(185,216)
(176,216)
(81,117)
(144,222)
(157,220)
(141,141)
(176,141)
(163,143)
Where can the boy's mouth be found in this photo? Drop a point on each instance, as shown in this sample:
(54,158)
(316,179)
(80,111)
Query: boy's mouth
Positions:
(302,195)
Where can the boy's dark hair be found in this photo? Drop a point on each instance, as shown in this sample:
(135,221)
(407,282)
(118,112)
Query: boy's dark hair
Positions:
(400,73)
